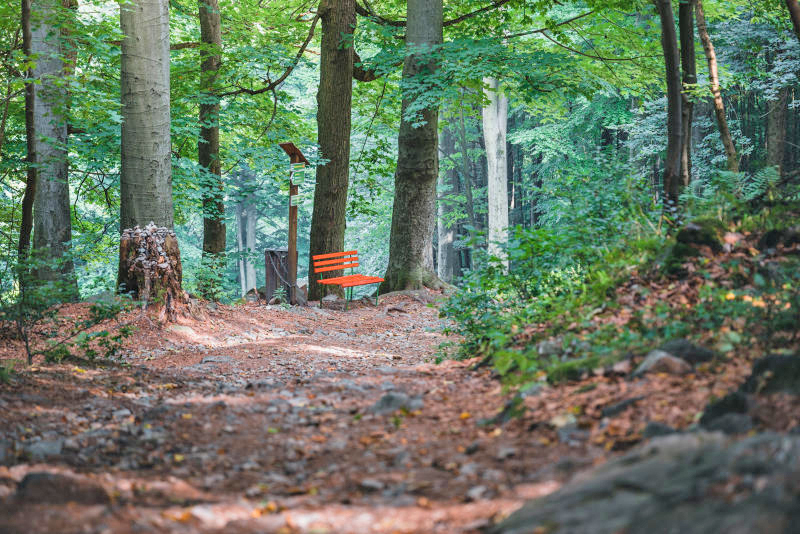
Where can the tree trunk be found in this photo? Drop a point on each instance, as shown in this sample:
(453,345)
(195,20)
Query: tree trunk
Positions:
(669,45)
(246,219)
(208,147)
(776,129)
(26,223)
(689,68)
(414,211)
(334,101)
(713,76)
(466,175)
(495,125)
(52,224)
(447,258)
(146,179)
(150,267)
(794,12)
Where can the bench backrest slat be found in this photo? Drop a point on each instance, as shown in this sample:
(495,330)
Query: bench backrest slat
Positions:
(333,255)
(324,263)
(335,268)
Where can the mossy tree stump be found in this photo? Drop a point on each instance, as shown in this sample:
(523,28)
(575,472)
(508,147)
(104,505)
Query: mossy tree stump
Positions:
(150,268)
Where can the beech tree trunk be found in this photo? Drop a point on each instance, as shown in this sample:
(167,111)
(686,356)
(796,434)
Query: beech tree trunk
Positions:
(334,100)
(495,125)
(669,46)
(447,257)
(208,146)
(52,224)
(414,211)
(689,68)
(776,129)
(246,219)
(146,178)
(713,76)
(794,13)
(466,175)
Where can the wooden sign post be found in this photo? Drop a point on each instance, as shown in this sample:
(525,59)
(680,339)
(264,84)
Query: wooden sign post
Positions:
(296,159)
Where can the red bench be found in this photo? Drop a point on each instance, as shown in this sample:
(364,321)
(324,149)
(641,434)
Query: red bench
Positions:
(338,261)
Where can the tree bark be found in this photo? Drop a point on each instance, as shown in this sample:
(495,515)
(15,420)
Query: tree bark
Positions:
(208,147)
(26,223)
(150,267)
(689,68)
(334,101)
(713,76)
(414,211)
(794,13)
(146,180)
(447,258)
(146,177)
(52,224)
(466,175)
(495,126)
(669,46)
(776,129)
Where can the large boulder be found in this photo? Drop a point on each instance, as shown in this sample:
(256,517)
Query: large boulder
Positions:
(697,483)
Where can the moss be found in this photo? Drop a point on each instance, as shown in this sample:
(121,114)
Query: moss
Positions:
(572,370)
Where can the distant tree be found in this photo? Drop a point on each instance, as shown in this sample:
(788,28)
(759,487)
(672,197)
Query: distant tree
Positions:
(669,46)
(495,125)
(713,76)
(208,145)
(689,70)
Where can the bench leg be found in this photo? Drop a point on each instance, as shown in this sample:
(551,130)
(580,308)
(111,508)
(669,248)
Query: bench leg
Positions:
(377,293)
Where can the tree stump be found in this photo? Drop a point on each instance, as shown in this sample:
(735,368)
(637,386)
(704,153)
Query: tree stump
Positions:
(150,268)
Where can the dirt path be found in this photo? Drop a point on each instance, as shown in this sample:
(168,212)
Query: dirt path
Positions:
(259,419)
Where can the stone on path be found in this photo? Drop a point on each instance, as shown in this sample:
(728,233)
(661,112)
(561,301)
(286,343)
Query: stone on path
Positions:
(658,361)
(696,483)
(54,488)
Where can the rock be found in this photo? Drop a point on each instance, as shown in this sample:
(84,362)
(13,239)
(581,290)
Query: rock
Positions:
(42,450)
(395,400)
(731,423)
(550,347)
(618,408)
(52,488)
(735,402)
(216,359)
(786,237)
(654,429)
(658,361)
(181,329)
(370,485)
(572,435)
(774,373)
(121,414)
(475,493)
(683,483)
(506,452)
(702,232)
(687,351)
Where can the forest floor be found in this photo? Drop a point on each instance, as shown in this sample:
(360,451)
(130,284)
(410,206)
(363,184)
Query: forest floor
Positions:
(256,418)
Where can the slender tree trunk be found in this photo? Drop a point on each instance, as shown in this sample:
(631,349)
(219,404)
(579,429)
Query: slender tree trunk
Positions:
(26,224)
(334,101)
(776,129)
(240,248)
(713,76)
(466,175)
(208,146)
(495,125)
(146,177)
(447,258)
(414,211)
(794,12)
(669,45)
(146,181)
(689,68)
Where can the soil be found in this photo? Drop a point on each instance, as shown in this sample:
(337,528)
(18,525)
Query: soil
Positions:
(256,418)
